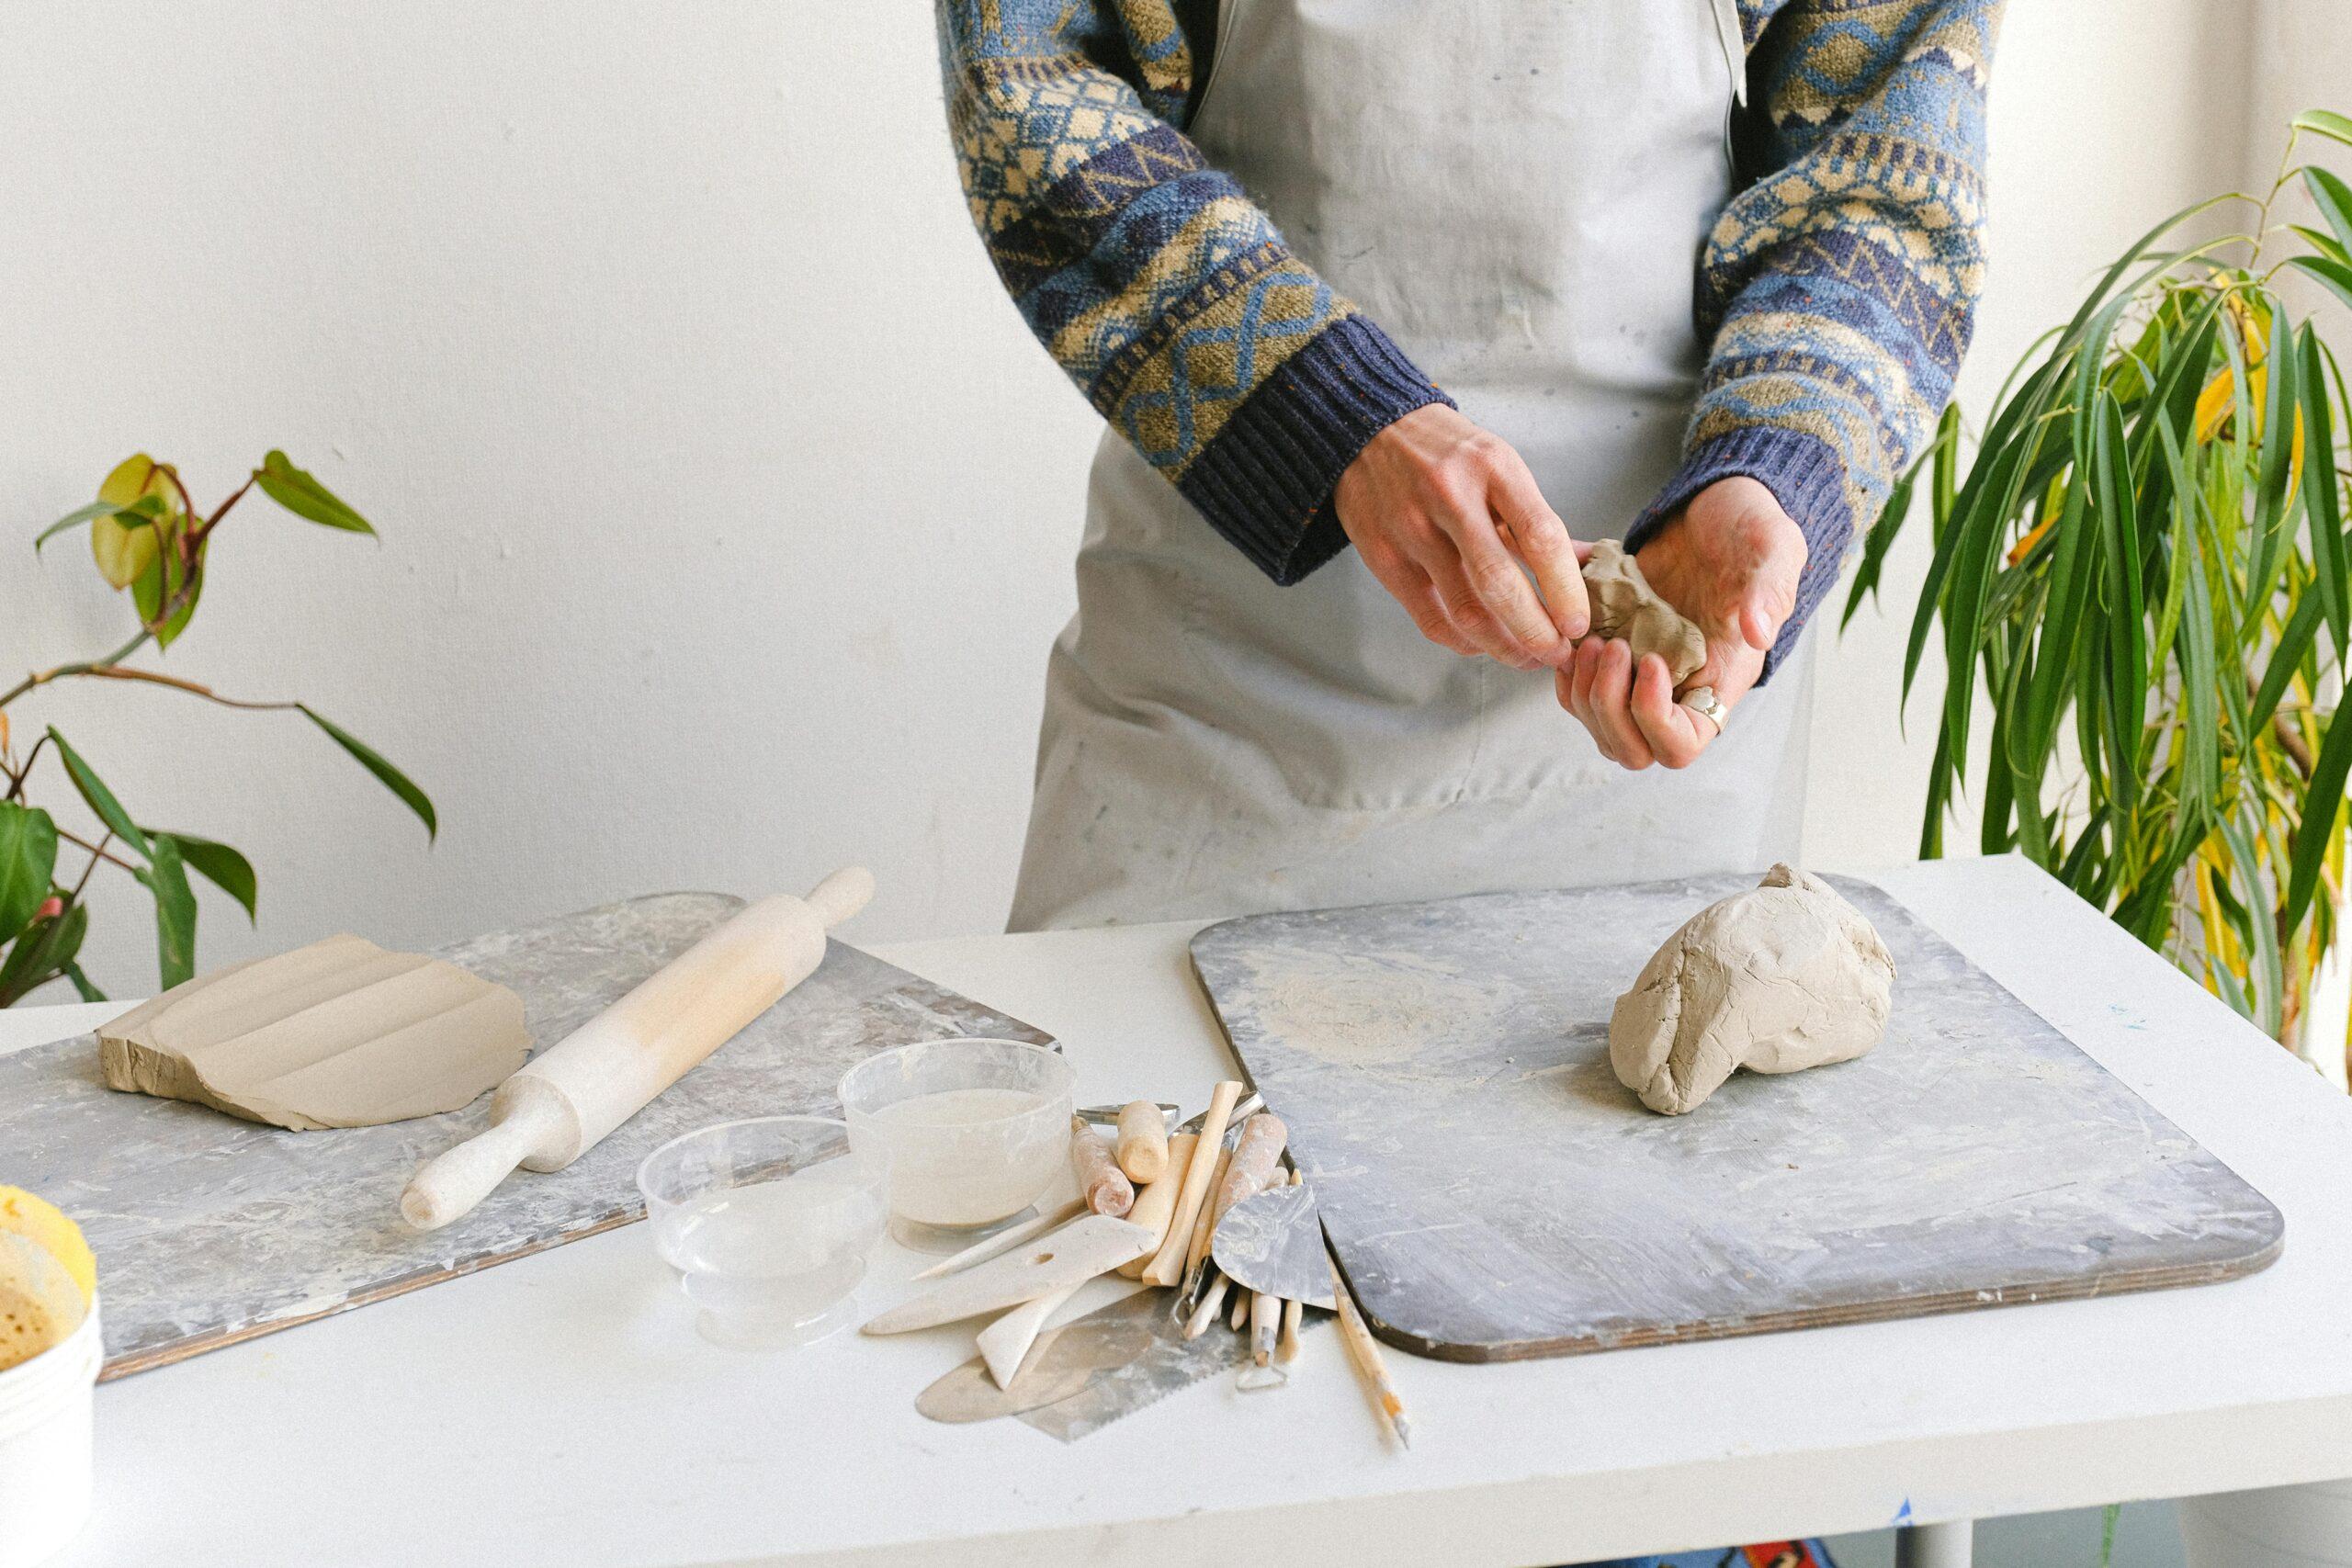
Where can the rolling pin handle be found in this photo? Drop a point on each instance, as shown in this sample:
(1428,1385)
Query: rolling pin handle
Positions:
(451,1183)
(842,895)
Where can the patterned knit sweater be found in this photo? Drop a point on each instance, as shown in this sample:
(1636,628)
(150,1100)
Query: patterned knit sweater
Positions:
(1835,294)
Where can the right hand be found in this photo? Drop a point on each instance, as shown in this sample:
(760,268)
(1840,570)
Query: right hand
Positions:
(1444,513)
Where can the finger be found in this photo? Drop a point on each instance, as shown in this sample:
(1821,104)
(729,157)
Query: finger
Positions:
(1574,682)
(1676,735)
(1411,588)
(1540,539)
(1501,586)
(1475,621)
(1611,707)
(1772,596)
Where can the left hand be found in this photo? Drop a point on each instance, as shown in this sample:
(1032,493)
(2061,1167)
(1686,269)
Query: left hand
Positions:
(1729,561)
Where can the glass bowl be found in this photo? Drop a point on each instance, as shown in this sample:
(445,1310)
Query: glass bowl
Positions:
(975,1132)
(768,1222)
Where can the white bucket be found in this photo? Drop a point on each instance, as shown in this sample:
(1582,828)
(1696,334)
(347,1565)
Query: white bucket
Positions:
(45,1455)
(2277,1527)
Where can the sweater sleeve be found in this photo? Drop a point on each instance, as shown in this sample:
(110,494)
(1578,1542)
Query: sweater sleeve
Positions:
(1151,279)
(1838,290)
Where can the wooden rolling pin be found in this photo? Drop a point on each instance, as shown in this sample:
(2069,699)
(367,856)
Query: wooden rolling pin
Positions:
(562,1100)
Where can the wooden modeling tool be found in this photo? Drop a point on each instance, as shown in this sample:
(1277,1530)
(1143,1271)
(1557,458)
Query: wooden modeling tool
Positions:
(1091,1245)
(1156,1203)
(1167,1264)
(1101,1183)
(572,1094)
(1364,1352)
(1265,1329)
(1142,1142)
(1005,1240)
(1212,1299)
(1193,1274)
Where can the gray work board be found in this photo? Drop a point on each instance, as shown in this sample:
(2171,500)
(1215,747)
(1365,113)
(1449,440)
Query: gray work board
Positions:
(210,1230)
(1493,1192)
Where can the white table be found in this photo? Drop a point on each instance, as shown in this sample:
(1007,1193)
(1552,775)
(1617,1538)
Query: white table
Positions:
(559,1411)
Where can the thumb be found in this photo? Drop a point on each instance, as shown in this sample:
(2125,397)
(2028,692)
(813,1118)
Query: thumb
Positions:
(1772,596)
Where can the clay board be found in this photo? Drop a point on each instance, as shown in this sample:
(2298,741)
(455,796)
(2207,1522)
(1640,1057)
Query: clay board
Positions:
(210,1230)
(1493,1192)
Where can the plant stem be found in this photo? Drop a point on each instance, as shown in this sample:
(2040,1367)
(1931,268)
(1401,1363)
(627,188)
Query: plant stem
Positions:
(97,854)
(44,677)
(118,672)
(99,850)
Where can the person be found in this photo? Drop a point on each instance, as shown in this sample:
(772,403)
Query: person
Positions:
(1391,309)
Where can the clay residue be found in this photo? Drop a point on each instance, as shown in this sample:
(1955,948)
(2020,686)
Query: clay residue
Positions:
(1366,1009)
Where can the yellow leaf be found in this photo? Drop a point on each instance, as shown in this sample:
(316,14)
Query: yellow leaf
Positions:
(124,554)
(2213,404)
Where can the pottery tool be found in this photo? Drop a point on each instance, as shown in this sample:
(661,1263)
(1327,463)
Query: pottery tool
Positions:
(1062,1363)
(217,1230)
(1085,1374)
(1101,1183)
(1006,1343)
(1167,1265)
(1157,1203)
(1407,1044)
(1196,1244)
(1088,1246)
(571,1095)
(1272,1241)
(1265,1329)
(1238,1318)
(1255,1163)
(1142,1142)
(1205,1312)
(339,1033)
(1005,1240)
(1364,1352)
(1293,1313)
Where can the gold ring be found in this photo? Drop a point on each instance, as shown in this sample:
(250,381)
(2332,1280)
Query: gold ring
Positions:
(1702,701)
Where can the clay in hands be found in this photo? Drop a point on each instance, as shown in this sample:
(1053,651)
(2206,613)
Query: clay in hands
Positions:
(1626,607)
(1783,977)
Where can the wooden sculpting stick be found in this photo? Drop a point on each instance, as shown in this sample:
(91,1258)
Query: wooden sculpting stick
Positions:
(1166,1267)
(569,1096)
(1155,1204)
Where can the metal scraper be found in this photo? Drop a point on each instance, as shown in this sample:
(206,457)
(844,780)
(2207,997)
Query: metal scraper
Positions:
(1272,1241)
(1132,1356)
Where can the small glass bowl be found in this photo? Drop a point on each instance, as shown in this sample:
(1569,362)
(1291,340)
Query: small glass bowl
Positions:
(976,1131)
(768,1222)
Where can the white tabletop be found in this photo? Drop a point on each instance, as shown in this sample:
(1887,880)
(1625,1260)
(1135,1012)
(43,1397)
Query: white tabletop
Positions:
(559,1410)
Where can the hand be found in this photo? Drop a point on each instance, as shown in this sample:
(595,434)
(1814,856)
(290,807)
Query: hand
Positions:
(1444,513)
(1729,561)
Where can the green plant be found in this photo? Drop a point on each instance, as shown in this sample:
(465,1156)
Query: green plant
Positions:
(147,538)
(2146,566)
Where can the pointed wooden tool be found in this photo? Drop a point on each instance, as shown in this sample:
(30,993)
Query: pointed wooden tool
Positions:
(1071,1255)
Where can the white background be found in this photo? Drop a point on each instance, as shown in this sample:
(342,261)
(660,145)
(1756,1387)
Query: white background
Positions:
(727,505)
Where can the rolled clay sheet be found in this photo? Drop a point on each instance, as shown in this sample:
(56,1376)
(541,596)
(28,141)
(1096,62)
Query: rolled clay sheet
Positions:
(1783,977)
(340,1034)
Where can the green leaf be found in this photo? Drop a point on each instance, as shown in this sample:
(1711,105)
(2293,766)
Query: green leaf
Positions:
(218,863)
(2323,809)
(27,862)
(40,955)
(99,798)
(88,992)
(306,497)
(76,517)
(2334,199)
(2334,273)
(2328,246)
(2322,510)
(391,777)
(2325,123)
(167,878)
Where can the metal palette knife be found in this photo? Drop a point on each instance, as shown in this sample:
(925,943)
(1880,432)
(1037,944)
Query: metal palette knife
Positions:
(1119,1358)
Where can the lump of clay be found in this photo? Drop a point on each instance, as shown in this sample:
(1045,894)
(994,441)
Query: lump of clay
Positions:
(1783,977)
(340,1034)
(1626,607)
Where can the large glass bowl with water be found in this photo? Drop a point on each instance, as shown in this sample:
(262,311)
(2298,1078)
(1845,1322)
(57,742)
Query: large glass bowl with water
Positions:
(975,1132)
(768,1222)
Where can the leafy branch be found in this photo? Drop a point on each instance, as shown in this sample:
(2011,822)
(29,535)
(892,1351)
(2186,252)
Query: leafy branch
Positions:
(146,537)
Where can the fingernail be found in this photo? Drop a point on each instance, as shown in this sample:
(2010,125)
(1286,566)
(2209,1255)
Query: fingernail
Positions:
(1578,626)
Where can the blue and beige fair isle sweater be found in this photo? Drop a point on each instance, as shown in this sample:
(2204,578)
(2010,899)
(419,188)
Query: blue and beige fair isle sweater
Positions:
(1835,294)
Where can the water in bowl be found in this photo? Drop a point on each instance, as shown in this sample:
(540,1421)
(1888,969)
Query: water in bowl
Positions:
(773,1262)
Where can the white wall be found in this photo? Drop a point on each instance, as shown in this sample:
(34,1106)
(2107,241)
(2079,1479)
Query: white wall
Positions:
(726,507)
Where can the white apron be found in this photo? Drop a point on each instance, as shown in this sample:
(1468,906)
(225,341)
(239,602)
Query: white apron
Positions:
(1517,191)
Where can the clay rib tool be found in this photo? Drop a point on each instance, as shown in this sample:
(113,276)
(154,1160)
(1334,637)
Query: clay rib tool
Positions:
(1091,1245)
(1364,1352)
(1005,1240)
(1272,1241)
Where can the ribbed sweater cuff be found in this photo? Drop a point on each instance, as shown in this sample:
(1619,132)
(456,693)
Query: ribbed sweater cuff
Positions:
(1805,473)
(1265,481)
